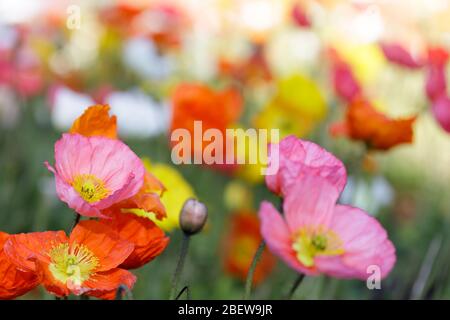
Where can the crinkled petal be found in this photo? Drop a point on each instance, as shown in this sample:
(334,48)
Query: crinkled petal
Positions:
(104,242)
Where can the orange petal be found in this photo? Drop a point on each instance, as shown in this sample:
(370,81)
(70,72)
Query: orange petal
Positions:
(96,121)
(148,239)
(104,285)
(148,197)
(103,242)
(152,184)
(339,129)
(13,282)
(25,249)
(240,244)
(52,285)
(365,123)
(233,103)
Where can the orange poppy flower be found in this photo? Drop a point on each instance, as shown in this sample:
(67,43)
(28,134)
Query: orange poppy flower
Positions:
(240,245)
(13,282)
(148,239)
(96,121)
(120,16)
(196,102)
(148,197)
(253,69)
(364,122)
(217,109)
(84,263)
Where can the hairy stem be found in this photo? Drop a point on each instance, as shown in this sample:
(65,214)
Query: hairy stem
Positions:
(296,284)
(180,265)
(251,271)
(75,221)
(185,289)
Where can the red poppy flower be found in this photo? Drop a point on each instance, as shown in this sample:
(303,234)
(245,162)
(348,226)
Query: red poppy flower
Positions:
(240,246)
(13,281)
(148,239)
(84,263)
(365,123)
(437,56)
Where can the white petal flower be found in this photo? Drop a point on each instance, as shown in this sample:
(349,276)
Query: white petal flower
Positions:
(67,106)
(138,115)
(141,56)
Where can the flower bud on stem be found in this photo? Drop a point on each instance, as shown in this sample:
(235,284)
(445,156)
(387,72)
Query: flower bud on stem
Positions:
(192,219)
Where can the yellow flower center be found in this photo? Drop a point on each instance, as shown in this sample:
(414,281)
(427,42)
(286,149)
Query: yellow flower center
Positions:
(75,263)
(309,243)
(90,188)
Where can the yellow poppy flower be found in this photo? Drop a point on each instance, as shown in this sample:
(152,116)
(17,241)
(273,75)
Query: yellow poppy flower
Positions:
(295,109)
(178,190)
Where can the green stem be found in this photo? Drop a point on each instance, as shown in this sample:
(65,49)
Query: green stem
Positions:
(188,295)
(75,221)
(180,264)
(251,271)
(296,284)
(121,291)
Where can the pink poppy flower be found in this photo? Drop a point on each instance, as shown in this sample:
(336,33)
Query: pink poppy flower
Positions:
(300,16)
(93,173)
(317,236)
(441,111)
(345,83)
(436,83)
(397,54)
(296,156)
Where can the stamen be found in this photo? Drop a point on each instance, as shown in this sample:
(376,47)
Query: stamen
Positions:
(311,242)
(75,263)
(90,188)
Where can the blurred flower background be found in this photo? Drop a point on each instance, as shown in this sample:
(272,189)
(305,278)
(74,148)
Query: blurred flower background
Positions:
(366,79)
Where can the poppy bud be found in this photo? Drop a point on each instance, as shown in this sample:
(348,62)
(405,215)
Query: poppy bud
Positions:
(193,216)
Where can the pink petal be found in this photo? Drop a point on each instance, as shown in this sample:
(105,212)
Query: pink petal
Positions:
(278,238)
(120,194)
(288,148)
(365,244)
(296,156)
(436,83)
(107,159)
(113,161)
(441,111)
(345,83)
(68,195)
(72,154)
(399,55)
(310,202)
(300,17)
